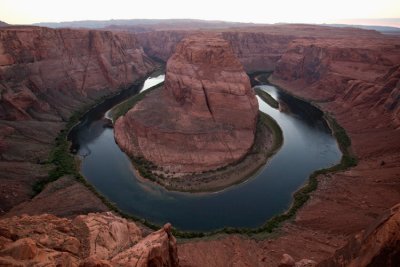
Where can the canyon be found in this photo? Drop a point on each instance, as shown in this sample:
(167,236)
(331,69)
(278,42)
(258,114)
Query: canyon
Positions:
(351,74)
(47,75)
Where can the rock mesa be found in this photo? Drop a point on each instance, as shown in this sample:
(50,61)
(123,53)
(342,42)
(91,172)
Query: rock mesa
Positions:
(204,117)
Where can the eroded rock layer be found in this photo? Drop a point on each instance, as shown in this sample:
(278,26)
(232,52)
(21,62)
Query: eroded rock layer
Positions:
(257,48)
(96,239)
(204,118)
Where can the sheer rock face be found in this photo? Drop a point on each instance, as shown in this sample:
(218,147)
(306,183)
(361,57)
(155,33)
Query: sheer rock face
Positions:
(204,117)
(96,239)
(50,71)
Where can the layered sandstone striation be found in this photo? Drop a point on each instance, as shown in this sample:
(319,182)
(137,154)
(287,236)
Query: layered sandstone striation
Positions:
(205,116)
(257,48)
(48,73)
(45,76)
(96,239)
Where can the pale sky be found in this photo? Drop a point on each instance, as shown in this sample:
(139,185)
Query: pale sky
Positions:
(257,11)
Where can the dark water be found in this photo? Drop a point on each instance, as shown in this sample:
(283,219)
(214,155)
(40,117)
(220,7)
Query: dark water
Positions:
(308,145)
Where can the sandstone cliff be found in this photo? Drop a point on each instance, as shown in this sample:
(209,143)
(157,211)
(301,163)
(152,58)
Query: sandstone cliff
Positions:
(48,72)
(204,118)
(150,41)
(45,76)
(96,239)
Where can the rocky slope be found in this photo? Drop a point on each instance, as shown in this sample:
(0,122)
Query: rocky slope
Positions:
(204,118)
(96,239)
(378,245)
(45,76)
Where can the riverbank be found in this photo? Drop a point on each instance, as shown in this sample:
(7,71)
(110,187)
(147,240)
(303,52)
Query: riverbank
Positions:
(65,166)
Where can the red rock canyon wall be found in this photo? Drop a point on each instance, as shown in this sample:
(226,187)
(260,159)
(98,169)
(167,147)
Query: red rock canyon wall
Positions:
(46,75)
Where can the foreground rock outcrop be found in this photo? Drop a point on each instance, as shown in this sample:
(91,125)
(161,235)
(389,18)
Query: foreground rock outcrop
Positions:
(96,239)
(205,116)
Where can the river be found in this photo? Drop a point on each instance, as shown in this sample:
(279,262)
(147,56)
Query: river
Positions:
(308,145)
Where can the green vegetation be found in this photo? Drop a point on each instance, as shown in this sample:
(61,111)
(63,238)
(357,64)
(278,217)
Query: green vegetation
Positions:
(123,107)
(60,158)
(348,159)
(277,134)
(267,98)
(145,169)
